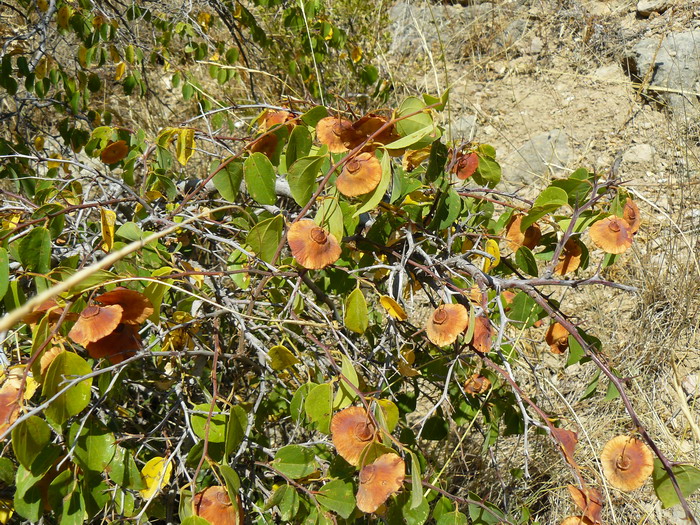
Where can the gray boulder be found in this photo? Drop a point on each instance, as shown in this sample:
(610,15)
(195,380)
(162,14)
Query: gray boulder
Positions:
(531,164)
(672,65)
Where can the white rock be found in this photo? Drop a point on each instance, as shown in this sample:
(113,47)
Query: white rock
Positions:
(639,154)
(647,7)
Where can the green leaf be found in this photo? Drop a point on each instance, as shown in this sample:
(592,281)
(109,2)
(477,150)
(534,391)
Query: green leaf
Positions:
(687,476)
(124,471)
(420,138)
(311,117)
(94,448)
(337,495)
(416,122)
(330,215)
(66,367)
(260,178)
(345,395)
(286,500)
(356,315)
(236,427)
(612,392)
(370,201)
(299,144)
(296,405)
(402,512)
(27,500)
(35,250)
(389,413)
(548,201)
(301,176)
(7,471)
(416,485)
(319,406)
(295,461)
(591,387)
(488,173)
(436,161)
(156,291)
(4,272)
(482,516)
(217,426)
(265,236)
(453,518)
(447,210)
(526,261)
(228,181)
(576,352)
(524,309)
(29,438)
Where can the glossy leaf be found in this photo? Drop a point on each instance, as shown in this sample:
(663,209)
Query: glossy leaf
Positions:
(185,145)
(301,176)
(687,476)
(345,395)
(215,432)
(356,315)
(124,471)
(259,177)
(281,358)
(236,426)
(337,495)
(299,144)
(228,181)
(548,201)
(67,366)
(4,272)
(265,236)
(29,438)
(372,199)
(156,475)
(294,461)
(35,250)
(94,448)
(319,406)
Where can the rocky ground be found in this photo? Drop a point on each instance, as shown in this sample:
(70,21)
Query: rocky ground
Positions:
(559,85)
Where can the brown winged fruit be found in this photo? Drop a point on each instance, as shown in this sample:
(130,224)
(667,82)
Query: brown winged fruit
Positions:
(446,323)
(352,431)
(360,175)
(136,306)
(312,246)
(612,235)
(379,480)
(95,322)
(627,462)
(214,505)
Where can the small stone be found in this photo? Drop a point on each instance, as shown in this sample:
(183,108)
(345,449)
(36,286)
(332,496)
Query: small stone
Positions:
(545,153)
(639,154)
(647,7)
(536,46)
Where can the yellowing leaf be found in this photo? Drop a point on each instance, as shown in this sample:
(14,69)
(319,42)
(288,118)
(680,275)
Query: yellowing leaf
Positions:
(281,357)
(356,54)
(156,475)
(119,72)
(82,56)
(51,164)
(394,309)
(492,249)
(107,221)
(30,387)
(10,222)
(6,510)
(185,145)
(43,5)
(39,142)
(114,54)
(63,17)
(407,358)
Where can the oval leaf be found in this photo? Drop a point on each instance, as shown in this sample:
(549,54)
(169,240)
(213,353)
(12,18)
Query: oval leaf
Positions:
(356,316)
(260,178)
